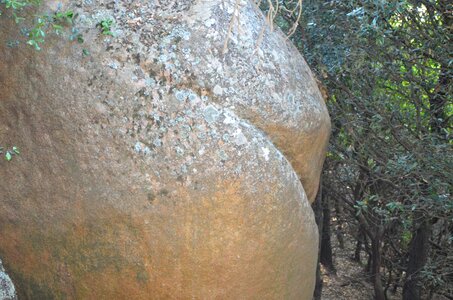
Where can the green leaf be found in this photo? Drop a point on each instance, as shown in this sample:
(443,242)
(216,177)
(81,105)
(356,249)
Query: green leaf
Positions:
(106,26)
(69,15)
(16,150)
(8,156)
(80,39)
(34,44)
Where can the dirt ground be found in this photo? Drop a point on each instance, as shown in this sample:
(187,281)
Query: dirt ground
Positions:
(350,282)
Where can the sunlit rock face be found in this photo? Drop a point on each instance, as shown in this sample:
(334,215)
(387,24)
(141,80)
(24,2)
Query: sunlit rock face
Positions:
(164,164)
(7,290)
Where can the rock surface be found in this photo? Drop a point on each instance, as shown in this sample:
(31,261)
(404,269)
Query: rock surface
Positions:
(163,163)
(7,290)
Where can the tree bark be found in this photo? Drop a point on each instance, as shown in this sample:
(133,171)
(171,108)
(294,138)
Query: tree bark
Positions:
(440,99)
(358,247)
(339,228)
(317,208)
(326,256)
(418,257)
(319,283)
(376,264)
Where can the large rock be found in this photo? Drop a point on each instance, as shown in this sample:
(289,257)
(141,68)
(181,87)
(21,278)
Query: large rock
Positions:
(155,168)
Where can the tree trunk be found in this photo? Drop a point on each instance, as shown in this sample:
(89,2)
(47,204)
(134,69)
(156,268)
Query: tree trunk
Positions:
(439,100)
(319,283)
(326,245)
(389,281)
(418,256)
(358,247)
(317,208)
(376,264)
(339,228)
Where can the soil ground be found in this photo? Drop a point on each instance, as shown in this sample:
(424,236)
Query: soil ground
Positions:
(350,282)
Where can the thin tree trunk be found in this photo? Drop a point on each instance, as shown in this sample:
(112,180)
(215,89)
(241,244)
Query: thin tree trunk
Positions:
(396,283)
(339,227)
(358,247)
(326,257)
(317,208)
(389,281)
(319,283)
(368,267)
(439,100)
(418,257)
(376,264)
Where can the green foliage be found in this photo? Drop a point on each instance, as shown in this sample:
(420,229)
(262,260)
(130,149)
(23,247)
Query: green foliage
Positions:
(9,154)
(106,26)
(18,4)
(41,25)
(387,68)
(85,52)
(46,23)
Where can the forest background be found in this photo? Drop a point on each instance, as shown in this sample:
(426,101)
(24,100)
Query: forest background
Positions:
(384,68)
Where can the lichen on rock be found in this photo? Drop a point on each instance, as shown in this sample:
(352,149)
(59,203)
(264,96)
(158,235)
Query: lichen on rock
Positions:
(7,290)
(161,164)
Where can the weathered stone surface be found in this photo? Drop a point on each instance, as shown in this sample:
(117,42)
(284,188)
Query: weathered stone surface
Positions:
(7,290)
(155,167)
